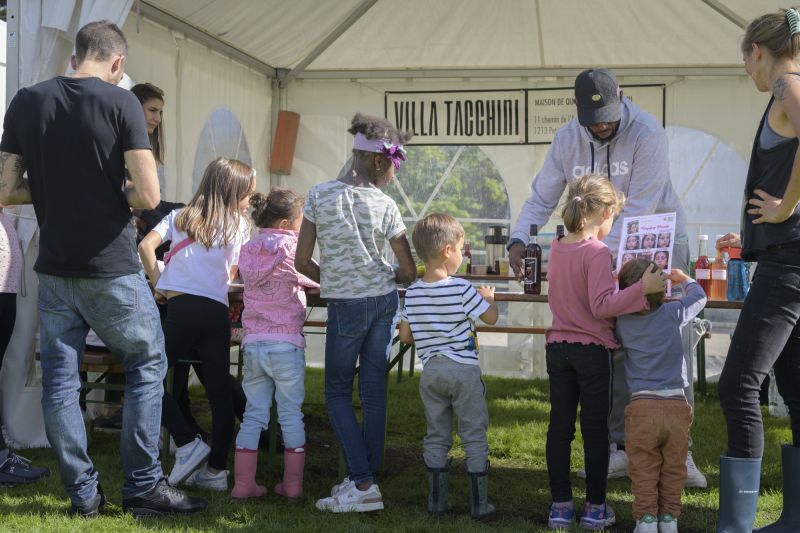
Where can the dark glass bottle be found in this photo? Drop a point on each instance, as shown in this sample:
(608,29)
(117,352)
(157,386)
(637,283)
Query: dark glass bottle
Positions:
(532,258)
(468,257)
(560,231)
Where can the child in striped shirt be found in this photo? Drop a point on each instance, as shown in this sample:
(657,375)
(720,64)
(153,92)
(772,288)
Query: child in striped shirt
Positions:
(438,317)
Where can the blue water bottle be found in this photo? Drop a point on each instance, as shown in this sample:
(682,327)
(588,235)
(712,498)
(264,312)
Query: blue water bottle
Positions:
(738,276)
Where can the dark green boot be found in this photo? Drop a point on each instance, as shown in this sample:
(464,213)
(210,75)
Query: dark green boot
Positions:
(438,485)
(480,508)
(738,494)
(789,522)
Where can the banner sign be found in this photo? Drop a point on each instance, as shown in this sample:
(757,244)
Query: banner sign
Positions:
(460,117)
(514,116)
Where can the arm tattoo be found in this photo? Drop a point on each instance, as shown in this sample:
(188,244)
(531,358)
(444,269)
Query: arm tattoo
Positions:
(779,88)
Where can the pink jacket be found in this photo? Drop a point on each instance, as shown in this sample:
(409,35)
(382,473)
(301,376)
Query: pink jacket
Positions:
(274,299)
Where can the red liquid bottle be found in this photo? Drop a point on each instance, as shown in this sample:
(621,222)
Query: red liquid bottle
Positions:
(702,270)
(468,257)
(532,283)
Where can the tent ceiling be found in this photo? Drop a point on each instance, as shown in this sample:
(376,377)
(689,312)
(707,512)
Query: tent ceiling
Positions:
(397,35)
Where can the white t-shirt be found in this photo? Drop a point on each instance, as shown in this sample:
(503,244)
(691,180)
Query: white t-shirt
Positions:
(440,315)
(353,224)
(195,270)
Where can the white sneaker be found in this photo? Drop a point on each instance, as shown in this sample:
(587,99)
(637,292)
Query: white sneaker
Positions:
(341,487)
(187,458)
(667,524)
(617,464)
(353,500)
(694,478)
(646,524)
(204,479)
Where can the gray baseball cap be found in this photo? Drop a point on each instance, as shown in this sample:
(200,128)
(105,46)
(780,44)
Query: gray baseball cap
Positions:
(597,97)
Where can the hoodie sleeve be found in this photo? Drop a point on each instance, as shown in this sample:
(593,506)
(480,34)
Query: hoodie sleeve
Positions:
(693,301)
(546,189)
(649,177)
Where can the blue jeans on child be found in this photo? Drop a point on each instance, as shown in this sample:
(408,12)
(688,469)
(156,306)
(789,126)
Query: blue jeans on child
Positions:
(359,330)
(123,313)
(273,367)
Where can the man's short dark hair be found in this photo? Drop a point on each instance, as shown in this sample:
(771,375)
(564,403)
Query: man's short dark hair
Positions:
(99,41)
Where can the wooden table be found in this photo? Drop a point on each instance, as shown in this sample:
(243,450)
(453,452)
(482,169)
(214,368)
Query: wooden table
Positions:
(314,300)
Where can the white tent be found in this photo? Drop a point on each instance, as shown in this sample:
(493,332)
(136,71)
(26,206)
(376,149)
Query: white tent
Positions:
(228,67)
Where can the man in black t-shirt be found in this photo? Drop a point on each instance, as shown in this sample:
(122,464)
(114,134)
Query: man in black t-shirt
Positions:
(75,135)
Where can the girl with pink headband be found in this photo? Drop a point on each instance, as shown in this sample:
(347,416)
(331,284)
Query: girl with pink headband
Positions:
(352,220)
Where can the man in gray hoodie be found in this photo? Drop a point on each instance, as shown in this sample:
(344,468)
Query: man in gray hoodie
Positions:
(610,136)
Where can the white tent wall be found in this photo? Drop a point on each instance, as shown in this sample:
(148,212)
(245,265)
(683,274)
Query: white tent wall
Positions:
(710,121)
(197,80)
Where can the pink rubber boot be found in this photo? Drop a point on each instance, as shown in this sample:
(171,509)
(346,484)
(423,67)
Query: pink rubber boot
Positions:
(244,466)
(294,461)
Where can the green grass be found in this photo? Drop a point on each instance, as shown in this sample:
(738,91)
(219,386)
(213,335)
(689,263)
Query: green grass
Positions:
(518,482)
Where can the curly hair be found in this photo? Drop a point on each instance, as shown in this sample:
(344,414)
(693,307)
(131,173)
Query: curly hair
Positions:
(278,205)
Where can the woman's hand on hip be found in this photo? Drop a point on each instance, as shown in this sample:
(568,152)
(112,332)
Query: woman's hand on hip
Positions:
(768,208)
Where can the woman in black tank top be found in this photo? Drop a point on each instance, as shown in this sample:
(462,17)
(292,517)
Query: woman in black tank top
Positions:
(768,331)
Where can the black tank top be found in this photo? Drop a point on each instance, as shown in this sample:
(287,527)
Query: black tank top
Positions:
(770,170)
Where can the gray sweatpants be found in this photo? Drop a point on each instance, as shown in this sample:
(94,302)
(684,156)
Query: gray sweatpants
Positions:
(447,388)
(620,394)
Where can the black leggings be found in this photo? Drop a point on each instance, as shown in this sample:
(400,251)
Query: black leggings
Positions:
(767,334)
(8,316)
(199,327)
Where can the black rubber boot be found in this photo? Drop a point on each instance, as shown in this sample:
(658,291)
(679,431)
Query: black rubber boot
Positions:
(738,494)
(438,487)
(789,522)
(480,508)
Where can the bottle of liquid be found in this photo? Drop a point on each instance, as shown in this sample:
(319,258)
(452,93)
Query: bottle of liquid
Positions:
(702,271)
(560,231)
(719,274)
(533,264)
(468,257)
(738,276)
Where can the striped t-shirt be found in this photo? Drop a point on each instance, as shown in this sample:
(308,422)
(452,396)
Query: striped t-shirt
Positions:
(440,315)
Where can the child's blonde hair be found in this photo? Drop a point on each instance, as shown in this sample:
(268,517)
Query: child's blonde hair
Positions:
(212,216)
(433,233)
(586,196)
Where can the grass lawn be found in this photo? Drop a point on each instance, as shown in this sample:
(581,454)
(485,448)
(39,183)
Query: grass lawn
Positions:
(518,481)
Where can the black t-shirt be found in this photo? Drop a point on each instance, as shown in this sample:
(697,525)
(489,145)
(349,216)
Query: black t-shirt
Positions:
(72,133)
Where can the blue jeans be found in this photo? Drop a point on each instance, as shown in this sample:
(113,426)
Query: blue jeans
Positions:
(359,329)
(123,313)
(273,367)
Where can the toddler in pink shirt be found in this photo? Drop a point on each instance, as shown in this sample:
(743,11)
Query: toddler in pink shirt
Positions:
(274,346)
(584,302)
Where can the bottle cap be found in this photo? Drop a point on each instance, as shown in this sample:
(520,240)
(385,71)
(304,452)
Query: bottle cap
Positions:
(735,253)
(702,237)
(534,229)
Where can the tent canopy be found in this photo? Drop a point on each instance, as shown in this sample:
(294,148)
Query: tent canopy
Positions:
(493,35)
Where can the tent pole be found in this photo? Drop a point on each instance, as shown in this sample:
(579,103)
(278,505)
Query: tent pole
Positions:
(328,40)
(726,12)
(12,49)
(710,71)
(275,107)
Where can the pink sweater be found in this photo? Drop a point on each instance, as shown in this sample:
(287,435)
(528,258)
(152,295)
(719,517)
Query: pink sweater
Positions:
(274,299)
(583,296)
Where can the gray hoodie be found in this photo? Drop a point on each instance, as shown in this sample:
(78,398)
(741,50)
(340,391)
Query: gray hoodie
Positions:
(639,163)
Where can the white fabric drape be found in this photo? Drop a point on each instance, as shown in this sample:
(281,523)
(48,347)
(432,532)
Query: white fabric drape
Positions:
(47,29)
